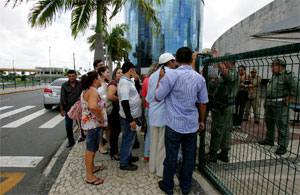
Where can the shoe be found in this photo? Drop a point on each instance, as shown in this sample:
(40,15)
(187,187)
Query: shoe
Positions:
(162,187)
(70,145)
(281,150)
(133,159)
(146,159)
(245,119)
(211,158)
(81,139)
(266,142)
(130,167)
(102,150)
(256,122)
(223,156)
(136,144)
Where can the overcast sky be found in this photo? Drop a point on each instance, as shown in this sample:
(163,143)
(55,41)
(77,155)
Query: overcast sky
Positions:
(29,47)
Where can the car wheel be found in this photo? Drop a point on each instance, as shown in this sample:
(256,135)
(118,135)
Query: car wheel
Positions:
(48,106)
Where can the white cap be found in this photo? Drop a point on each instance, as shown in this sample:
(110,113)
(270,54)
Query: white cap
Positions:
(165,57)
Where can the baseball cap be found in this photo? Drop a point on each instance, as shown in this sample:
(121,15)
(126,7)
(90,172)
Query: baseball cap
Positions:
(165,57)
(127,66)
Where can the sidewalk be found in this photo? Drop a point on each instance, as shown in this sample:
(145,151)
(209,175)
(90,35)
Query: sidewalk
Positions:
(19,89)
(72,175)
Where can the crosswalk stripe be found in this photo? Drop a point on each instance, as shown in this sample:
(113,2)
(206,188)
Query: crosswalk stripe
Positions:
(25,119)
(7,114)
(20,161)
(5,107)
(53,122)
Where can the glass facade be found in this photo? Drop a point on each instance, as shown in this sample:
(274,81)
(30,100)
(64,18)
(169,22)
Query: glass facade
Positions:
(181,25)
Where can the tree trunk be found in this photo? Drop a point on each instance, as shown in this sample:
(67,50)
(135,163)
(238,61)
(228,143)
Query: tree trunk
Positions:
(99,52)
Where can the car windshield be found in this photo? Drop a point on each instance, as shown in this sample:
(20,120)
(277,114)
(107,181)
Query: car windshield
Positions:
(58,82)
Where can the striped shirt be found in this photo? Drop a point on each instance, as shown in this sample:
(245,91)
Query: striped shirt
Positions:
(182,89)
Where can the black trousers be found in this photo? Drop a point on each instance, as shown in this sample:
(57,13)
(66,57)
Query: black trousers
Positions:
(115,128)
(240,104)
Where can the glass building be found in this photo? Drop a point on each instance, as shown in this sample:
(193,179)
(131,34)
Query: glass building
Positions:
(181,25)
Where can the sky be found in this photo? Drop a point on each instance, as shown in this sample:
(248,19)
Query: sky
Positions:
(24,47)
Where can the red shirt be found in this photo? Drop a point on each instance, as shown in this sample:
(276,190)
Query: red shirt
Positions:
(145,90)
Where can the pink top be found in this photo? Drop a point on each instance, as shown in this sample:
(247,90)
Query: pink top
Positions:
(145,90)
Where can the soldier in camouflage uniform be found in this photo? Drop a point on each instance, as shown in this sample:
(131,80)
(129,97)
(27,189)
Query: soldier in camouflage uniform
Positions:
(222,111)
(280,90)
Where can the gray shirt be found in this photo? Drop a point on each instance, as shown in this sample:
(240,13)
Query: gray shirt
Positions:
(127,91)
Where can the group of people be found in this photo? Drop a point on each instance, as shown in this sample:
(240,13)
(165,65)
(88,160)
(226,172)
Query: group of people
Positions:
(172,103)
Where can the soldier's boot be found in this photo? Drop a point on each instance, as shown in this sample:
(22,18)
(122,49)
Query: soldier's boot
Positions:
(281,150)
(223,156)
(211,157)
(266,142)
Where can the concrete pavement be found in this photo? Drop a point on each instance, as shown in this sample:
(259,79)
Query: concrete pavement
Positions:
(72,175)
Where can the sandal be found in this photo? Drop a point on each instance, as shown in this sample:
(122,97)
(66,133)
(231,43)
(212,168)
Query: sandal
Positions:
(98,168)
(96,181)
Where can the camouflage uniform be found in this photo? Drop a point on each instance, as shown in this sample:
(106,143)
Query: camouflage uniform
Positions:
(281,86)
(222,112)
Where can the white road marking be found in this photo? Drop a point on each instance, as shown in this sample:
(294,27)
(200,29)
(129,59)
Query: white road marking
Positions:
(53,122)
(20,161)
(7,114)
(25,119)
(5,107)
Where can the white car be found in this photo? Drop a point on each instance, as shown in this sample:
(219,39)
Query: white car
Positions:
(51,93)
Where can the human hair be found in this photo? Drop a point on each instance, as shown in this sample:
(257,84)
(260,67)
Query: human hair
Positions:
(96,62)
(184,55)
(152,69)
(115,72)
(278,62)
(242,66)
(102,69)
(71,72)
(88,79)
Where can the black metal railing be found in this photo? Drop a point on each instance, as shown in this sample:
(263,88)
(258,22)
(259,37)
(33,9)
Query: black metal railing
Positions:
(254,168)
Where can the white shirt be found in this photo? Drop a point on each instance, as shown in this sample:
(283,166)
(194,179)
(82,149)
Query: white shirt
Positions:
(127,91)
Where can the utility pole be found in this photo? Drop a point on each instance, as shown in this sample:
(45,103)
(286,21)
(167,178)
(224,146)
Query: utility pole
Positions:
(74,61)
(50,63)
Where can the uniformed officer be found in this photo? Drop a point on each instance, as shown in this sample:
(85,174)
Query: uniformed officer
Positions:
(280,90)
(222,112)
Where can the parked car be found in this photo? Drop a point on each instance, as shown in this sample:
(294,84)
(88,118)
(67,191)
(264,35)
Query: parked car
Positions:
(51,93)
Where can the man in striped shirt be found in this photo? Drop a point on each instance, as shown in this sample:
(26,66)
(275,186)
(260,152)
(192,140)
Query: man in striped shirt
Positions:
(185,94)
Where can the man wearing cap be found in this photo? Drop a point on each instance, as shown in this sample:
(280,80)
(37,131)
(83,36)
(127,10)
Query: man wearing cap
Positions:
(157,112)
(185,95)
(253,96)
(280,90)
(130,110)
(222,110)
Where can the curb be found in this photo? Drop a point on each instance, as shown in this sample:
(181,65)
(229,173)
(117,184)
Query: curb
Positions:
(207,187)
(12,92)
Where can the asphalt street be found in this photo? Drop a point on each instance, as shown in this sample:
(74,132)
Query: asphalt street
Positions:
(30,136)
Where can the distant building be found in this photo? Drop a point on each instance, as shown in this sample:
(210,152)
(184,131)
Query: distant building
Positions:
(276,24)
(181,25)
(49,73)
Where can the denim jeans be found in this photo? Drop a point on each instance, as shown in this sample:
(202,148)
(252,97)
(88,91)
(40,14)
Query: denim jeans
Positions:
(173,140)
(128,139)
(69,129)
(148,135)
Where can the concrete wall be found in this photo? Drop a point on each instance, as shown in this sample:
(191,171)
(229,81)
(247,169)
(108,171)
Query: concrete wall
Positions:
(237,39)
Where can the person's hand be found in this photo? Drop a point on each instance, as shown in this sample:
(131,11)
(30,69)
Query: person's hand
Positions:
(201,127)
(62,113)
(133,125)
(161,74)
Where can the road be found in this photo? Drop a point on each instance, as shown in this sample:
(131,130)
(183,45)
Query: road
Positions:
(30,136)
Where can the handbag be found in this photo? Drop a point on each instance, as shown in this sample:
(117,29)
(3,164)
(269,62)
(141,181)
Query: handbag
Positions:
(75,112)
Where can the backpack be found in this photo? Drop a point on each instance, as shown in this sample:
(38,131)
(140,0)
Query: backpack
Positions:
(75,112)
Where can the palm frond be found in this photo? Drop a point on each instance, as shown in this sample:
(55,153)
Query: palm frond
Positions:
(14,2)
(91,40)
(117,6)
(80,17)
(44,12)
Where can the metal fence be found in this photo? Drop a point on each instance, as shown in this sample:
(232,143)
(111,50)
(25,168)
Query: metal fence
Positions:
(255,168)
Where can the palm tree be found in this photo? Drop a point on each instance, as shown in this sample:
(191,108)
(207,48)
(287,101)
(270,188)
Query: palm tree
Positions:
(44,11)
(117,45)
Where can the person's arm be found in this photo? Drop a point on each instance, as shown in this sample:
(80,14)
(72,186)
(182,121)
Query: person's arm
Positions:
(202,112)
(202,99)
(111,93)
(93,105)
(165,84)
(62,101)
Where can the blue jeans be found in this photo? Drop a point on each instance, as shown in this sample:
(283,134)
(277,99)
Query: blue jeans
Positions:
(93,139)
(148,135)
(173,140)
(128,138)
(69,129)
